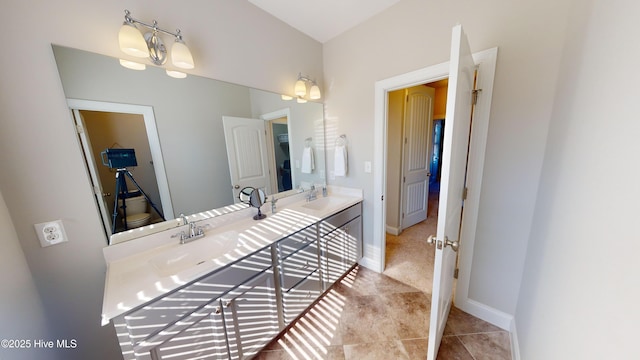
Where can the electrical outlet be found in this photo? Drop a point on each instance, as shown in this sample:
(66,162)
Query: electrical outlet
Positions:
(50,233)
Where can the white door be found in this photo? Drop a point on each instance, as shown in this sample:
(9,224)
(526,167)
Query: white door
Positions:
(418,120)
(93,171)
(454,164)
(247,153)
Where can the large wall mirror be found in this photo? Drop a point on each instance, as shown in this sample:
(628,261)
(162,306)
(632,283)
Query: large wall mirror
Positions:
(197,141)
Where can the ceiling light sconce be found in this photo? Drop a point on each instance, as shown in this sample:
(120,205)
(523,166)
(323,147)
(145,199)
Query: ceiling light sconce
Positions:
(300,88)
(151,45)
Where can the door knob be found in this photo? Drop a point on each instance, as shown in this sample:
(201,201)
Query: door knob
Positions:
(431,239)
(439,243)
(236,187)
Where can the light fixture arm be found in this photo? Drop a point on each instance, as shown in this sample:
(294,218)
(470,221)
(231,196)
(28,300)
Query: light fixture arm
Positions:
(306,78)
(130,20)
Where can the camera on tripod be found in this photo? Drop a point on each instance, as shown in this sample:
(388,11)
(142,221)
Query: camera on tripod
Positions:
(121,159)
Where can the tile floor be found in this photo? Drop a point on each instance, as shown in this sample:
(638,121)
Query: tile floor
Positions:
(386,316)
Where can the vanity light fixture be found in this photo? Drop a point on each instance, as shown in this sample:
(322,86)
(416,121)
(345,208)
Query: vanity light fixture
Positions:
(151,45)
(300,88)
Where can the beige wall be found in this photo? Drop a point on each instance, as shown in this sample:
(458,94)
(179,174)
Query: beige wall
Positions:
(579,290)
(230,40)
(395,114)
(414,34)
(21,311)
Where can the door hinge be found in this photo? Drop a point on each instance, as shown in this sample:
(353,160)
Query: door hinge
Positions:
(455,273)
(465,192)
(382,198)
(404,179)
(79,129)
(403,215)
(474,96)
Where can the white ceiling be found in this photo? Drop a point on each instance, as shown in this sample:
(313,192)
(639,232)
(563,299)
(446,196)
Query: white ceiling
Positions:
(323,19)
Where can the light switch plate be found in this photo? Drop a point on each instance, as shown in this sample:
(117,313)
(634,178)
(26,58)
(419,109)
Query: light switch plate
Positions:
(50,233)
(367,167)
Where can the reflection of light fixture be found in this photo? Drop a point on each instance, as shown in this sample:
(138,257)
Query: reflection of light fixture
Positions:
(176,74)
(301,100)
(300,88)
(133,43)
(286,97)
(132,65)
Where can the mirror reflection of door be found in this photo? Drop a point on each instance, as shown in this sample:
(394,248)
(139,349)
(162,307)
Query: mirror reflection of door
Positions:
(108,130)
(281,177)
(246,144)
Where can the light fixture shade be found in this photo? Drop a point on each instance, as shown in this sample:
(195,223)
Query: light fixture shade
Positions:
(314,92)
(132,65)
(300,89)
(301,100)
(132,42)
(176,74)
(181,56)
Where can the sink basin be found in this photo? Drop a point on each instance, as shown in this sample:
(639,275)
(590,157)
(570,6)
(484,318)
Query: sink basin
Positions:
(324,203)
(192,254)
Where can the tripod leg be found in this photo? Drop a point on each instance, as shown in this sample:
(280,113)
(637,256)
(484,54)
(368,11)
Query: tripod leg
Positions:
(145,195)
(115,206)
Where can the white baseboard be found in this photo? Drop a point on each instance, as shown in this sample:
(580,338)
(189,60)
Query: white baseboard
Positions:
(370,264)
(515,346)
(393,230)
(486,313)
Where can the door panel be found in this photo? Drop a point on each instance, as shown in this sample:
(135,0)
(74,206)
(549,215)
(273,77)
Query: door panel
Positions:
(454,164)
(418,121)
(247,153)
(93,171)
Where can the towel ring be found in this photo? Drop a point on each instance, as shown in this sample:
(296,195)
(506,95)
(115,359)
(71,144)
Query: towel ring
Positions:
(307,142)
(341,140)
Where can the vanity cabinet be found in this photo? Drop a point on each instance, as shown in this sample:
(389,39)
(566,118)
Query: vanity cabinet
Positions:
(198,307)
(340,243)
(298,260)
(231,313)
(235,326)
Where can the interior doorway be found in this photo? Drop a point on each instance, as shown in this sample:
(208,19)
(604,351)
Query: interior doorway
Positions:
(375,251)
(415,124)
(146,134)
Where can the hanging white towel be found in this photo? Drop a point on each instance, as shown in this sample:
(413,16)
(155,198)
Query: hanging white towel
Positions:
(308,162)
(340,161)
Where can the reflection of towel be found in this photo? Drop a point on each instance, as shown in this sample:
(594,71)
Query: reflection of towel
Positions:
(340,162)
(308,162)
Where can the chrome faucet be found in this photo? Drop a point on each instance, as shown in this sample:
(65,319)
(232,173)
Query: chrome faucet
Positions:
(194,232)
(313,194)
(273,204)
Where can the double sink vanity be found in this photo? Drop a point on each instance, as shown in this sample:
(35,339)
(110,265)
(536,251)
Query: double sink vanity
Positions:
(227,294)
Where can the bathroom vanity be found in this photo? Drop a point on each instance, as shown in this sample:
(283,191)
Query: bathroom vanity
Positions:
(229,293)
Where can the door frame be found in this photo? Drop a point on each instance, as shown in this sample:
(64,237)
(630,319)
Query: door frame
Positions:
(375,259)
(152,136)
(273,167)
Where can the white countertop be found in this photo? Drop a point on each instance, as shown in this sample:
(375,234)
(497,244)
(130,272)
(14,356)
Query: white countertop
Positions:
(133,280)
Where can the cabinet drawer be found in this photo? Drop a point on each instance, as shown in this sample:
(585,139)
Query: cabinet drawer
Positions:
(160,313)
(335,221)
(204,338)
(291,244)
(298,266)
(297,299)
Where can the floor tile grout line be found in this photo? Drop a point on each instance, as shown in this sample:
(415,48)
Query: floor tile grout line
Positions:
(479,332)
(465,347)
